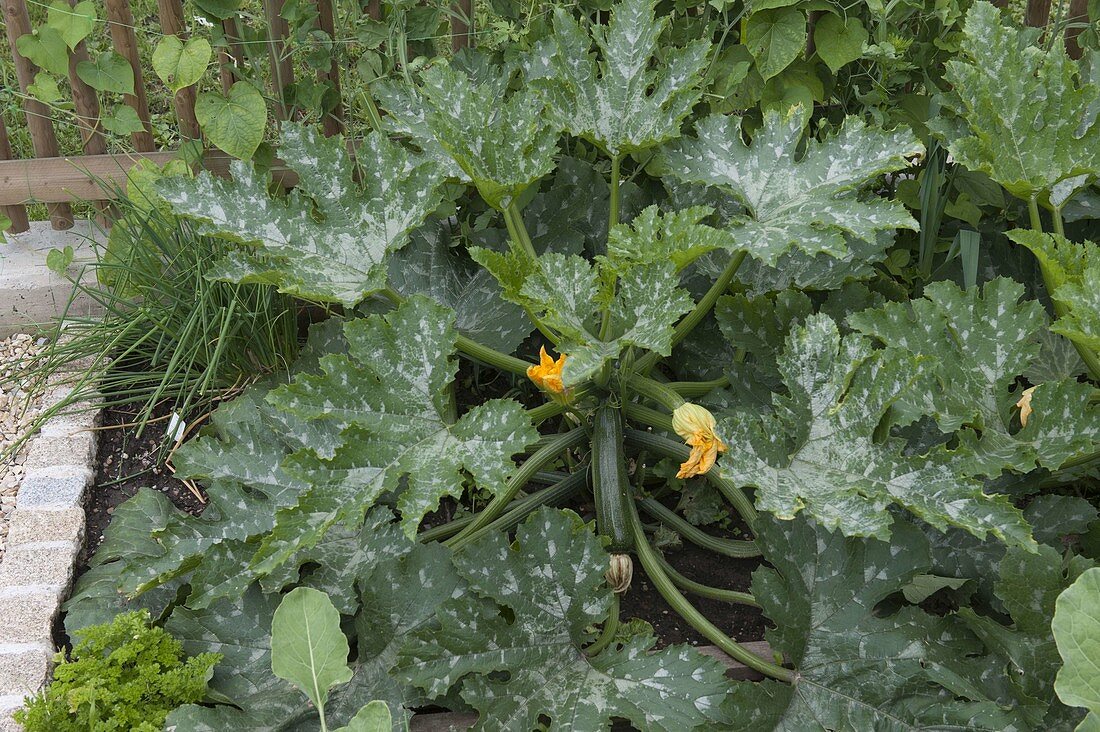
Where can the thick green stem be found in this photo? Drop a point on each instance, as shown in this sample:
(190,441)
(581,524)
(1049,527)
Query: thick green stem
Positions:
(1059,224)
(698,537)
(513,219)
(702,308)
(677,451)
(607,633)
(647,416)
(548,451)
(711,593)
(697,388)
(1033,212)
(545,411)
(491,356)
(658,392)
(664,584)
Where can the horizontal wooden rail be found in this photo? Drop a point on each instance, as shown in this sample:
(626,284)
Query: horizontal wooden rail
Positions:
(94,177)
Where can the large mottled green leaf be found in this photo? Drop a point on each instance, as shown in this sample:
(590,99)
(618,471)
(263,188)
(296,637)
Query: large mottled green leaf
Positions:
(678,237)
(818,453)
(628,100)
(855,670)
(1029,134)
(566,293)
(981,342)
(391,392)
(1077,632)
(430,265)
(1027,587)
(554,589)
(811,201)
(329,238)
(503,145)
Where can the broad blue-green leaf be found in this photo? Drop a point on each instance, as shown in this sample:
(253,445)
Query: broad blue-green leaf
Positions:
(328,239)
(308,649)
(1032,133)
(775,37)
(180,64)
(855,669)
(235,122)
(554,589)
(501,144)
(1077,632)
(73,22)
(678,237)
(390,393)
(566,293)
(811,201)
(629,100)
(818,454)
(109,73)
(432,266)
(981,341)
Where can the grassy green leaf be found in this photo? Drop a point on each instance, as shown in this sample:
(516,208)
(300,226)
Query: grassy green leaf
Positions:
(73,22)
(308,649)
(235,123)
(776,38)
(109,73)
(625,102)
(180,64)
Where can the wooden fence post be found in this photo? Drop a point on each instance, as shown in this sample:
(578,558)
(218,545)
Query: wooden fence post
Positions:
(171,22)
(39,122)
(121,22)
(333,122)
(1078,14)
(462,24)
(17,214)
(282,70)
(86,103)
(1038,13)
(231,56)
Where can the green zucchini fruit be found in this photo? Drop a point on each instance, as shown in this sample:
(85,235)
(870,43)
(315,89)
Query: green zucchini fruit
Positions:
(609,483)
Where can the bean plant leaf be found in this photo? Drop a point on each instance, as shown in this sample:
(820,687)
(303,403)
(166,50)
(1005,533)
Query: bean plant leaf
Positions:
(73,22)
(180,64)
(982,342)
(1077,632)
(308,649)
(108,73)
(818,455)
(629,100)
(1029,134)
(390,395)
(839,40)
(502,145)
(775,37)
(555,591)
(234,122)
(566,292)
(855,669)
(46,49)
(329,239)
(430,265)
(810,201)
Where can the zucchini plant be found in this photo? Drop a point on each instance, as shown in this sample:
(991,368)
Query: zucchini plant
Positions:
(702,292)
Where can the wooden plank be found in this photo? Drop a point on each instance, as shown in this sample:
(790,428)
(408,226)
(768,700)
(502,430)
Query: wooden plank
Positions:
(120,21)
(333,122)
(171,22)
(1078,20)
(1038,13)
(458,722)
(462,22)
(282,70)
(39,121)
(17,214)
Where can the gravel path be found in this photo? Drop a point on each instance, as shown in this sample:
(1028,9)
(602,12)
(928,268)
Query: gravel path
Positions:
(15,417)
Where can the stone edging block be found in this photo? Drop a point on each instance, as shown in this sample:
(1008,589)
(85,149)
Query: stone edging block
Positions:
(44,538)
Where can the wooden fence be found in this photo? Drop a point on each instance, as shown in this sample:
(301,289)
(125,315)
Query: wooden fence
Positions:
(95,175)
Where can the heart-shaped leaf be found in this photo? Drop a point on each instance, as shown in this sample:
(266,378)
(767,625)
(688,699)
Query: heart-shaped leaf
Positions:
(235,123)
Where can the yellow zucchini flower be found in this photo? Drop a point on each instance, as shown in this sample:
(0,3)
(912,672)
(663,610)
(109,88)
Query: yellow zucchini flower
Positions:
(696,426)
(547,374)
(1025,405)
